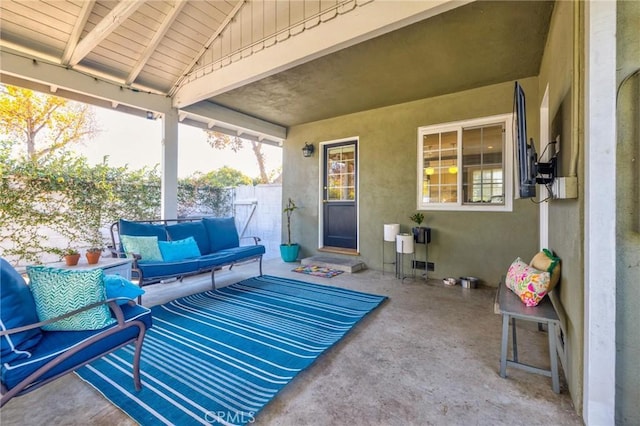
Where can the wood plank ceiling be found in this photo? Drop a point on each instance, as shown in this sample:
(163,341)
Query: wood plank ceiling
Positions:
(167,47)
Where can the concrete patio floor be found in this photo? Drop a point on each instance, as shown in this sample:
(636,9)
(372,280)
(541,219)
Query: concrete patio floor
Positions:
(428,356)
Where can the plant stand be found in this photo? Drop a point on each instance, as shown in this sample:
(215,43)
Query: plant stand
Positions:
(404,245)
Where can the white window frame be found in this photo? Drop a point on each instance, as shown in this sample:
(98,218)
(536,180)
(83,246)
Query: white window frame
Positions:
(507,121)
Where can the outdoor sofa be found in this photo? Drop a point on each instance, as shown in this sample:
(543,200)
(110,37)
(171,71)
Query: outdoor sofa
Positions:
(175,248)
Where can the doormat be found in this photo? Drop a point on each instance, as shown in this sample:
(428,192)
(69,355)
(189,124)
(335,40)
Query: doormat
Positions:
(317,271)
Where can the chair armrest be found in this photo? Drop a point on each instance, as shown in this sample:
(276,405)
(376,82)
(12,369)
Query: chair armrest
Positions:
(111,302)
(256,240)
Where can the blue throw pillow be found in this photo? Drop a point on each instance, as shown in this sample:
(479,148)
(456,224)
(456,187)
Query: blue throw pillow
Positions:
(179,250)
(180,231)
(17,309)
(60,291)
(136,229)
(146,247)
(118,286)
(222,232)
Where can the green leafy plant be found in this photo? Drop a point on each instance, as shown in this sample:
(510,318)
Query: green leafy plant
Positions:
(288,210)
(418,218)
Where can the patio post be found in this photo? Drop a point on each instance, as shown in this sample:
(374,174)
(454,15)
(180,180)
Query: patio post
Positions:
(169,165)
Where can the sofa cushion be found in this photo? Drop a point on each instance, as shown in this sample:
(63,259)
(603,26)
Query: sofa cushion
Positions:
(60,291)
(117,286)
(213,260)
(244,252)
(126,227)
(222,233)
(146,247)
(197,230)
(56,342)
(179,249)
(152,270)
(17,309)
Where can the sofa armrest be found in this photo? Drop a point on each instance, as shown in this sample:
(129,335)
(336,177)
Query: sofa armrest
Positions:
(256,240)
(111,302)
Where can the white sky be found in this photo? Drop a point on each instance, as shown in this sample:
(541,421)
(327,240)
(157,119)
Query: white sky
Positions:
(136,142)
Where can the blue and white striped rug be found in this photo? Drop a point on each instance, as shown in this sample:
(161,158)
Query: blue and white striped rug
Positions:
(221,356)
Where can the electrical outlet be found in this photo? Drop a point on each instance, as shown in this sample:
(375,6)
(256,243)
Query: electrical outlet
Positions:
(565,187)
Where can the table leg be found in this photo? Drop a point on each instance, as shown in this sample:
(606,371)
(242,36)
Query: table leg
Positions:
(515,340)
(553,354)
(505,342)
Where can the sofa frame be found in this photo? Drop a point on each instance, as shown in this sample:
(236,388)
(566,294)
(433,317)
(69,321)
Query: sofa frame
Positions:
(137,272)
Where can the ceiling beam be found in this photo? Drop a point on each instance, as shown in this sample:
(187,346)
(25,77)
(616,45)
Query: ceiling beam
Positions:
(155,41)
(222,117)
(74,37)
(42,72)
(109,23)
(365,22)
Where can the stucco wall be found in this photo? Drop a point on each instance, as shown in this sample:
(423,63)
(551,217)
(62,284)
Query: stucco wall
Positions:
(566,217)
(480,244)
(628,216)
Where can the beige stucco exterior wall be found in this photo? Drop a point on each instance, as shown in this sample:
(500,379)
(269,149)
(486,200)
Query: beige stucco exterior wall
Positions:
(566,217)
(463,243)
(628,215)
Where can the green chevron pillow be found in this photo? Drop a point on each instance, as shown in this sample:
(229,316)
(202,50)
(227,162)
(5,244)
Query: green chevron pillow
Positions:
(59,291)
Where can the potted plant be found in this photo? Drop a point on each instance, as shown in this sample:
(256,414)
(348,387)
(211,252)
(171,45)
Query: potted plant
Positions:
(289,251)
(420,234)
(71,256)
(93,255)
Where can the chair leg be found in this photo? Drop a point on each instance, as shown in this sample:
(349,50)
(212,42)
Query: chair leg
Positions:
(260,265)
(213,279)
(137,383)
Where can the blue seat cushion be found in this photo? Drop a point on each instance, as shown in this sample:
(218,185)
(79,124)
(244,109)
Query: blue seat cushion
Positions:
(17,309)
(244,252)
(215,259)
(197,230)
(152,270)
(222,233)
(56,342)
(136,229)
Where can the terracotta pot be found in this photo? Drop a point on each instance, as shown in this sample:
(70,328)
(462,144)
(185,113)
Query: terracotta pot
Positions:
(72,259)
(93,257)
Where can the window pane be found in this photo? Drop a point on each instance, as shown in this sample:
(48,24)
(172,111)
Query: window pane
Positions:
(341,181)
(482,162)
(440,167)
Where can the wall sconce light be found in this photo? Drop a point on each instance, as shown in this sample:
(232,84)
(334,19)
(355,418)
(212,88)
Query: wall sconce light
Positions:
(429,171)
(453,170)
(308,149)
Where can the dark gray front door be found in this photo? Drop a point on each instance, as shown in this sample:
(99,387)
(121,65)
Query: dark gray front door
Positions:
(340,195)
